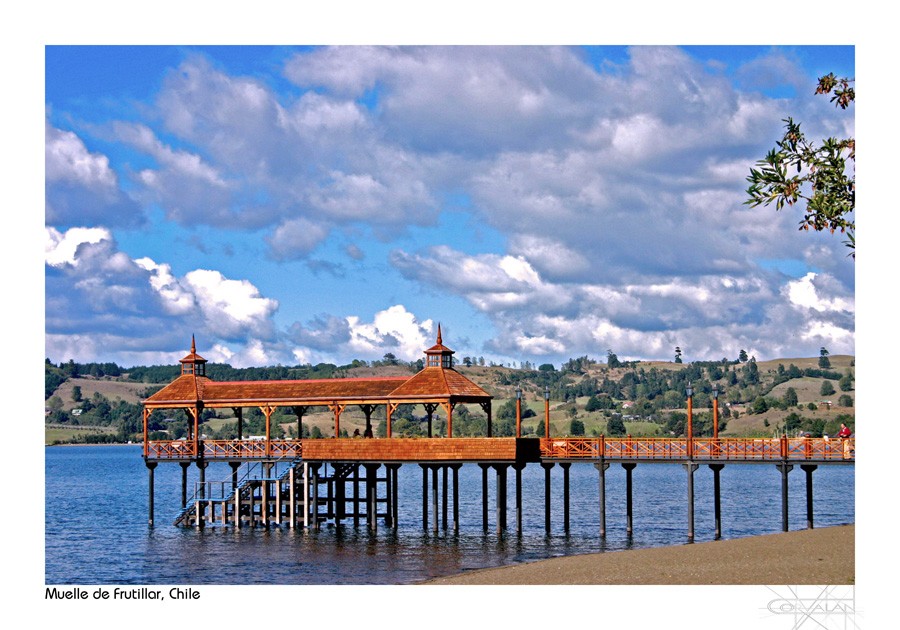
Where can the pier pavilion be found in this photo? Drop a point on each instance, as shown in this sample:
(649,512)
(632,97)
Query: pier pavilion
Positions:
(296,482)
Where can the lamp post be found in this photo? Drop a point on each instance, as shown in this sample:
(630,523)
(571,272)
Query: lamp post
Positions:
(518,411)
(690,421)
(547,412)
(715,394)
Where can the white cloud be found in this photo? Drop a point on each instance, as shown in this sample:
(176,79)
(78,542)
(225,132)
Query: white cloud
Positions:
(67,159)
(234,306)
(61,248)
(804,293)
(296,238)
(392,330)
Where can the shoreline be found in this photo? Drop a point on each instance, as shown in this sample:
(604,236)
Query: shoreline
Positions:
(810,556)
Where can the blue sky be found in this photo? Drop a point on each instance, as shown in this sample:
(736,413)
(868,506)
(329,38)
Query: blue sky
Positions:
(303,204)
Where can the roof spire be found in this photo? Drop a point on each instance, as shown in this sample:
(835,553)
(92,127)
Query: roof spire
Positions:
(193,345)
(439,342)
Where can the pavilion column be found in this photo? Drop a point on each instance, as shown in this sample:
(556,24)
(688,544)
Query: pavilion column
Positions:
(448,408)
(195,414)
(239,414)
(486,407)
(337,409)
(429,413)
(267,411)
(389,412)
(367,410)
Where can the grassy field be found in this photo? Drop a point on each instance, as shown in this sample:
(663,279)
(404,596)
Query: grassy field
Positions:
(58,433)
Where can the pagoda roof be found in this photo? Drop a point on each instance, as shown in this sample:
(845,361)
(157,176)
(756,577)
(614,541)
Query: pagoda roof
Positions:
(433,383)
(314,391)
(439,382)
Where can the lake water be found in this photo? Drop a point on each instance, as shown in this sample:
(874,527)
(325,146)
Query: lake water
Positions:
(97,533)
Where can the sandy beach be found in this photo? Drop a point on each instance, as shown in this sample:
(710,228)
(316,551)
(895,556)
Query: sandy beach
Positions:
(816,556)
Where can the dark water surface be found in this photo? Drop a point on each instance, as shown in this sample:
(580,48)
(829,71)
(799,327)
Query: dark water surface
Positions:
(97,533)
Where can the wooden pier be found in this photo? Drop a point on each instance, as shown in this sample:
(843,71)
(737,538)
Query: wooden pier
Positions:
(303,483)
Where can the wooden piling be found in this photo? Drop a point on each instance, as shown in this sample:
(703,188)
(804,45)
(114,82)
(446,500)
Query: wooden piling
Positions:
(629,522)
(808,469)
(717,499)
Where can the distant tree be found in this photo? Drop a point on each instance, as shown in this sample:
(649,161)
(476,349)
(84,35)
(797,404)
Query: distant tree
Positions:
(677,354)
(742,356)
(845,401)
(811,406)
(827,388)
(467,361)
(390,359)
(823,359)
(790,397)
(576,427)
(76,394)
(616,426)
(846,382)
(593,404)
(316,433)
(54,403)
(612,360)
(760,405)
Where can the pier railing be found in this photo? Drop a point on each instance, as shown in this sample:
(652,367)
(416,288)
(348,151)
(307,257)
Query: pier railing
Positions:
(224,449)
(740,449)
(477,449)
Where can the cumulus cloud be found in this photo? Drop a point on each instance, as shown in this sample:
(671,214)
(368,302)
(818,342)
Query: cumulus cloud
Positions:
(140,305)
(393,330)
(80,186)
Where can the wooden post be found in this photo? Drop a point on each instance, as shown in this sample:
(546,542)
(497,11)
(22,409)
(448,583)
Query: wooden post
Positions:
(601,469)
(424,496)
(784,468)
(151,466)
(518,468)
(565,467)
(808,469)
(501,497)
(356,496)
(484,495)
(444,497)
(456,468)
(717,499)
(237,508)
(305,494)
(546,467)
(389,493)
(184,471)
(628,502)
(395,506)
(434,496)
(690,468)
(315,496)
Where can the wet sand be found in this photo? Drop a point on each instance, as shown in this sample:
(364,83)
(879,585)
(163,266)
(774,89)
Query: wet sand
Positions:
(816,556)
